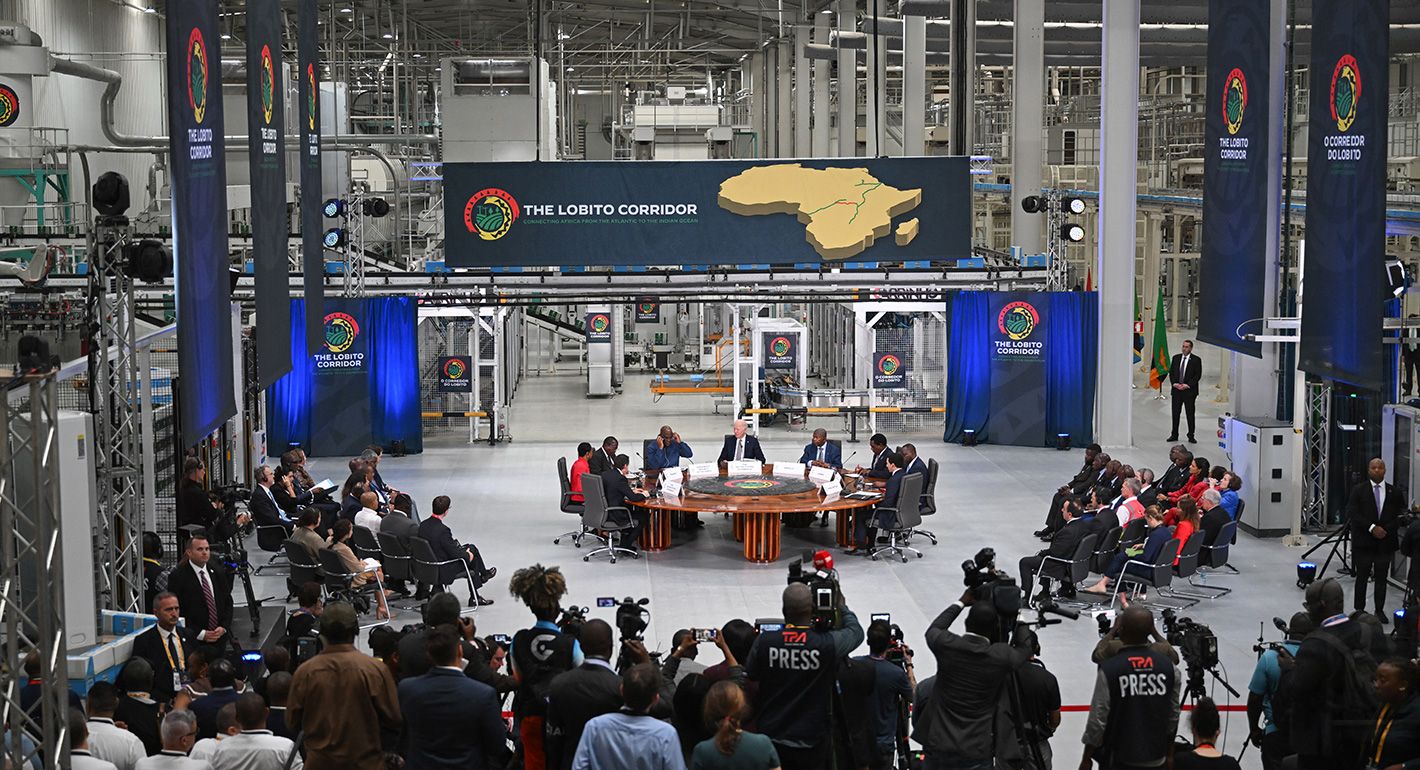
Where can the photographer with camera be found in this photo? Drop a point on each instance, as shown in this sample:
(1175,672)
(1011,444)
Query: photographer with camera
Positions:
(1134,711)
(957,728)
(1269,707)
(796,669)
(195,505)
(891,663)
(538,654)
(1035,713)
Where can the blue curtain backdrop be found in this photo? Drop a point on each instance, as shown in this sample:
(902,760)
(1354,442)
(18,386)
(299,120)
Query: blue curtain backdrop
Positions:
(394,372)
(392,369)
(1072,347)
(968,363)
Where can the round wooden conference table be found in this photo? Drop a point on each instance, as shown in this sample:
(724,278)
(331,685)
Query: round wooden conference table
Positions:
(757,519)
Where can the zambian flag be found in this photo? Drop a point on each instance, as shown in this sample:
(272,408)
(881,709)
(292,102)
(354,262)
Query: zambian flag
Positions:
(1160,368)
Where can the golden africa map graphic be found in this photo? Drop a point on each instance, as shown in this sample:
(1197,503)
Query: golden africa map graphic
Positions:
(844,210)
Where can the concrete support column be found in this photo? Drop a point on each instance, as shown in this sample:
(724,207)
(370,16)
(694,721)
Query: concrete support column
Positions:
(784,100)
(803,93)
(914,84)
(1254,380)
(771,101)
(872,90)
(1027,121)
(821,109)
(755,82)
(963,75)
(1114,263)
(847,83)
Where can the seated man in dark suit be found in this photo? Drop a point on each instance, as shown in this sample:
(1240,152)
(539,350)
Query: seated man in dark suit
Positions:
(204,592)
(865,536)
(445,547)
(1062,546)
(618,492)
(165,647)
(912,463)
(740,445)
(576,696)
(1148,488)
(604,459)
(265,510)
(821,453)
(449,719)
(877,469)
(1177,475)
(1078,487)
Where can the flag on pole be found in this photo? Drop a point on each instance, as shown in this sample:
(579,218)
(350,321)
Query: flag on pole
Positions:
(1160,368)
(1138,332)
(1089,279)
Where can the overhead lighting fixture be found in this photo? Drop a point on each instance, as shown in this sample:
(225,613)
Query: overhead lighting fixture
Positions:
(419,56)
(1072,233)
(1073,205)
(347,10)
(226,36)
(150,8)
(569,69)
(334,238)
(1032,204)
(387,36)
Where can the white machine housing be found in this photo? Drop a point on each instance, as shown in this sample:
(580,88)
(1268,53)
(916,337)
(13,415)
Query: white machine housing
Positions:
(1400,448)
(1261,450)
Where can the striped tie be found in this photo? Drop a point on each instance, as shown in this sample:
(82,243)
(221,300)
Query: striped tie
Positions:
(210,599)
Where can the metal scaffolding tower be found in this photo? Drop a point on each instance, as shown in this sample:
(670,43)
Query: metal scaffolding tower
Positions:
(1316,455)
(114,391)
(32,572)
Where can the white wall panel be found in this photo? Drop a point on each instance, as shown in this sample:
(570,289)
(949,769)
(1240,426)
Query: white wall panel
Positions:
(115,37)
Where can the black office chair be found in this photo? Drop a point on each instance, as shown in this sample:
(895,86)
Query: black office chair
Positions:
(428,569)
(394,557)
(1105,550)
(929,499)
(1185,568)
(596,515)
(1242,504)
(365,544)
(339,583)
(904,518)
(1074,570)
(303,569)
(272,539)
(1134,532)
(568,506)
(1212,558)
(1157,575)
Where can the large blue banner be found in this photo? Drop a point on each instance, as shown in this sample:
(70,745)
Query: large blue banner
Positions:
(1017,330)
(199,189)
(706,212)
(1346,173)
(312,251)
(266,152)
(1234,258)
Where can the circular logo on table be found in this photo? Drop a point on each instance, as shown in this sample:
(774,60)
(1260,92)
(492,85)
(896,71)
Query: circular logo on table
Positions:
(751,484)
(1345,91)
(197,74)
(454,369)
(341,329)
(1234,100)
(9,106)
(489,213)
(1018,320)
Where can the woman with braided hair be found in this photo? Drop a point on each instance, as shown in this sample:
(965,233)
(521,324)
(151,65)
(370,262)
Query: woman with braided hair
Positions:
(537,655)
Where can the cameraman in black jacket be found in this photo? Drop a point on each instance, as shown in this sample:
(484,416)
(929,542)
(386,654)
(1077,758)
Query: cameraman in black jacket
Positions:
(957,727)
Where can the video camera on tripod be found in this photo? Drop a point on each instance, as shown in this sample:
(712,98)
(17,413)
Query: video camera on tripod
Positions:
(815,570)
(1198,646)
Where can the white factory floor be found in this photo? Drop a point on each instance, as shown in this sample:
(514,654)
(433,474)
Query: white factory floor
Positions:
(505,500)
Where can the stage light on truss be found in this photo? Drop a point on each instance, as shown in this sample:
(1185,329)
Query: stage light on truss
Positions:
(1072,205)
(148,261)
(333,207)
(1397,276)
(110,194)
(335,238)
(374,207)
(1072,232)
(1032,204)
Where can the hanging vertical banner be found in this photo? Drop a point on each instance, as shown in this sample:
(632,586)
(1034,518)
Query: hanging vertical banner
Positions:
(598,328)
(1234,257)
(1346,176)
(1017,336)
(781,350)
(342,382)
(648,311)
(308,93)
(199,190)
(889,371)
(266,154)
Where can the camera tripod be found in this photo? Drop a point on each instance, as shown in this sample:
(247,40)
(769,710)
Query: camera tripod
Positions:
(1340,541)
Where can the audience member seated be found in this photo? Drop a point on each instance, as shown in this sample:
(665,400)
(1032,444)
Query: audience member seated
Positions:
(265,511)
(340,538)
(604,459)
(79,756)
(108,741)
(821,453)
(179,733)
(1177,474)
(356,485)
(1213,516)
(666,449)
(1148,489)
(618,493)
(739,445)
(1062,546)
(1147,552)
(388,495)
(305,534)
(1228,488)
(223,676)
(450,720)
(631,739)
(1188,521)
(911,463)
(1079,486)
(369,515)
(446,548)
(254,747)
(136,708)
(165,646)
(1128,507)
(579,466)
(1197,481)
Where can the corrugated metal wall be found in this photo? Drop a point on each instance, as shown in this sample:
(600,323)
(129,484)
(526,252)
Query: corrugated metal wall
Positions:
(109,35)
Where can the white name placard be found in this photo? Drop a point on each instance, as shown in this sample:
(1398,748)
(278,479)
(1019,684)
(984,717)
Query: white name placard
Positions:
(819,474)
(745,468)
(832,488)
(701,470)
(796,470)
(670,487)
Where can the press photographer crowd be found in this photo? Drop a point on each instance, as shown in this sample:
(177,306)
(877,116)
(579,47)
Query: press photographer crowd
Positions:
(579,687)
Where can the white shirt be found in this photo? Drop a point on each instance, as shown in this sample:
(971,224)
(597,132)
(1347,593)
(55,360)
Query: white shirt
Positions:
(254,750)
(110,742)
(82,760)
(172,760)
(368,519)
(203,572)
(205,748)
